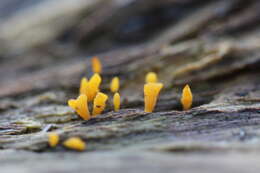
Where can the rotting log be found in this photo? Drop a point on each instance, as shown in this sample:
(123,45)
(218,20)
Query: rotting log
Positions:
(214,46)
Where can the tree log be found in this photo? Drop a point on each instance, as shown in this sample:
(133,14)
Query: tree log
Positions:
(214,46)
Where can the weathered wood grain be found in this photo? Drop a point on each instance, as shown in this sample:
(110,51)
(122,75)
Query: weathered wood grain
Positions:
(211,45)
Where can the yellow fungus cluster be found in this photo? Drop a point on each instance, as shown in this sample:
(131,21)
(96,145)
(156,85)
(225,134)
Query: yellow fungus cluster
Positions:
(116,102)
(151,92)
(90,88)
(99,103)
(186,98)
(151,77)
(80,105)
(96,65)
(152,89)
(75,143)
(53,139)
(114,86)
(90,92)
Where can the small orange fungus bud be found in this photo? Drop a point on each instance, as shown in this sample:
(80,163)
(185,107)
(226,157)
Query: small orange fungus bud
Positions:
(83,86)
(53,139)
(116,101)
(151,77)
(151,92)
(96,65)
(114,86)
(186,98)
(80,105)
(99,103)
(93,86)
(75,143)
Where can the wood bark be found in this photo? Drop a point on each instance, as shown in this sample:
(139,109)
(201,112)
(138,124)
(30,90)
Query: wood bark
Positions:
(214,46)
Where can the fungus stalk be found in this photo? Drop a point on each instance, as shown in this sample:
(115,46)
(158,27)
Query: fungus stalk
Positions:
(151,77)
(99,103)
(116,101)
(96,65)
(151,92)
(75,143)
(80,105)
(186,98)
(83,86)
(114,86)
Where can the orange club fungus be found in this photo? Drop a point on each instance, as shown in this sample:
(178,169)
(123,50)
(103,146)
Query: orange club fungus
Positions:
(116,102)
(99,103)
(80,105)
(151,77)
(53,139)
(151,92)
(83,86)
(96,65)
(90,88)
(114,85)
(75,143)
(186,99)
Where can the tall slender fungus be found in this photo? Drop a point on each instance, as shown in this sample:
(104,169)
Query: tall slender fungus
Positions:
(186,99)
(151,92)
(80,105)
(116,101)
(75,143)
(151,77)
(114,85)
(96,65)
(99,103)
(83,86)
(53,139)
(92,87)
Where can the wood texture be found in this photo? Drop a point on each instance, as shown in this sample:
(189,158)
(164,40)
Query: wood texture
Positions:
(214,46)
